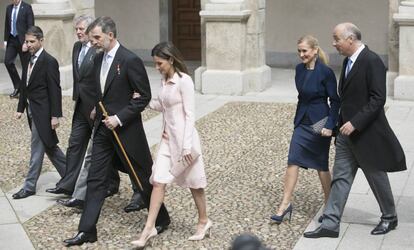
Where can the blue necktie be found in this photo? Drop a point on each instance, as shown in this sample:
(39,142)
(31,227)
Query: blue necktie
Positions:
(13,30)
(348,67)
(81,55)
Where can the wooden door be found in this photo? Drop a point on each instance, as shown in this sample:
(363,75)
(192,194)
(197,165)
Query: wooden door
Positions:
(186,28)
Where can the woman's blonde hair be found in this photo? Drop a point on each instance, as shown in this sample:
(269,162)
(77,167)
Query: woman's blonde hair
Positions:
(314,44)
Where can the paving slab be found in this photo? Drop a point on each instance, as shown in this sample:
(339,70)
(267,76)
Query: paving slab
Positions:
(400,239)
(13,237)
(361,209)
(360,185)
(405,210)
(365,240)
(398,181)
(321,243)
(7,215)
(409,188)
(28,207)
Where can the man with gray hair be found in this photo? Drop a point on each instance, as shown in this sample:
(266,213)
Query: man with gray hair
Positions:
(366,140)
(84,95)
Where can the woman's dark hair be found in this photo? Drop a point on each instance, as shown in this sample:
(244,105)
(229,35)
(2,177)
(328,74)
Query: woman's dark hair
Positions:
(167,51)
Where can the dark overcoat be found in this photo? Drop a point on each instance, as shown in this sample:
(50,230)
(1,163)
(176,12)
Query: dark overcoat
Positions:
(44,95)
(363,95)
(126,75)
(85,91)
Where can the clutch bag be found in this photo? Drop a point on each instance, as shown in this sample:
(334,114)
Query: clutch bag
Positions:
(319,125)
(181,165)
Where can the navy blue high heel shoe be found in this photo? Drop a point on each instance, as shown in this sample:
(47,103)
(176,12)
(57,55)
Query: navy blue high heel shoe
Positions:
(279,218)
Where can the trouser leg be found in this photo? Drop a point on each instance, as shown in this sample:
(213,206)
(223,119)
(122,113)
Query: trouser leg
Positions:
(37,152)
(380,186)
(344,170)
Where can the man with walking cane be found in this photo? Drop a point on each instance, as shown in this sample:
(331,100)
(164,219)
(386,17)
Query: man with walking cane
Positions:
(119,73)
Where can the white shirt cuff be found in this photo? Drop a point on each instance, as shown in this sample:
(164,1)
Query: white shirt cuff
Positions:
(119,121)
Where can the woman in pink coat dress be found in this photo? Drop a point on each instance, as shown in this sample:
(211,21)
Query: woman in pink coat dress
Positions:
(180,141)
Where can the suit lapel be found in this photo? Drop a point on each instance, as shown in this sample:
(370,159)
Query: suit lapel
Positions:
(112,69)
(75,59)
(21,10)
(342,78)
(38,65)
(86,61)
(354,70)
(98,61)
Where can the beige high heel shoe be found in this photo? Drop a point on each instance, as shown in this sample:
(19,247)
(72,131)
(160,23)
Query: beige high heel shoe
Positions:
(206,231)
(143,243)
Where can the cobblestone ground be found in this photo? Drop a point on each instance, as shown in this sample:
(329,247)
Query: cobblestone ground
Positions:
(245,151)
(15,140)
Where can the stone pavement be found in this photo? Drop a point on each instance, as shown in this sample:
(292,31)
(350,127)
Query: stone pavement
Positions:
(357,221)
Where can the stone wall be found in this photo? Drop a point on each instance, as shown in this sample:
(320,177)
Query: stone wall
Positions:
(287,20)
(138,23)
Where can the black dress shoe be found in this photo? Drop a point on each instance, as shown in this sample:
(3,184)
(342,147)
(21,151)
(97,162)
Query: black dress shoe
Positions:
(384,227)
(71,203)
(110,192)
(321,232)
(162,228)
(81,238)
(23,194)
(58,190)
(15,94)
(134,206)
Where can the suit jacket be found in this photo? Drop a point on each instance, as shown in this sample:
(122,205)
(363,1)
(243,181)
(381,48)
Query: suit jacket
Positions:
(85,91)
(43,94)
(313,95)
(126,75)
(25,19)
(363,95)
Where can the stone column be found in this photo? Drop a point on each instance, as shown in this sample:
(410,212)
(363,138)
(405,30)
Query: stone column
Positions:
(84,7)
(234,61)
(404,83)
(55,18)
(392,72)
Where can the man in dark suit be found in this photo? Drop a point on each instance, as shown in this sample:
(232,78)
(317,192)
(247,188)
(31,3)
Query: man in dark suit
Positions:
(119,73)
(85,96)
(42,98)
(19,17)
(366,140)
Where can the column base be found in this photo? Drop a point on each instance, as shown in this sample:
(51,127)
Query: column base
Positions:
(234,82)
(404,87)
(391,75)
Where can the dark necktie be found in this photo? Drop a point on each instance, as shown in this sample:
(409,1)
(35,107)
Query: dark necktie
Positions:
(32,60)
(348,67)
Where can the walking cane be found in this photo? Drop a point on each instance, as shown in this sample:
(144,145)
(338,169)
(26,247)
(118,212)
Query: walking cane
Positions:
(105,114)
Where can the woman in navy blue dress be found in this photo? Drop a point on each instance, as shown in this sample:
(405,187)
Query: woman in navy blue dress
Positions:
(314,121)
